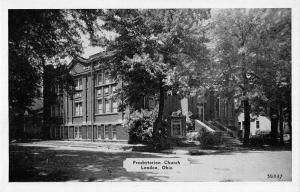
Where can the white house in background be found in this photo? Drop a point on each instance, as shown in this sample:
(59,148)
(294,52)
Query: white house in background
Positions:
(258,124)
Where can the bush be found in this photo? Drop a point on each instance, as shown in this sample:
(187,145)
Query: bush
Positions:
(209,138)
(260,139)
(141,130)
(159,140)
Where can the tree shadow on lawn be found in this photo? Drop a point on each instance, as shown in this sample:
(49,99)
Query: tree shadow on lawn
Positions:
(215,150)
(32,164)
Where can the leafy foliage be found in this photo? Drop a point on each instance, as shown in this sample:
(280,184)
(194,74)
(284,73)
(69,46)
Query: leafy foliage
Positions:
(141,126)
(157,52)
(253,53)
(35,38)
(208,139)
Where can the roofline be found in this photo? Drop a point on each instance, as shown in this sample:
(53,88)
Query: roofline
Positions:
(92,58)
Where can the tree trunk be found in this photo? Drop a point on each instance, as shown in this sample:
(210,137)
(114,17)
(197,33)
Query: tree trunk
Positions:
(274,125)
(280,124)
(247,121)
(158,122)
(46,102)
(245,102)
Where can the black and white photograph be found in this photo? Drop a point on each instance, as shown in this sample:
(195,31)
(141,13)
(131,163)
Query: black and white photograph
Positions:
(191,95)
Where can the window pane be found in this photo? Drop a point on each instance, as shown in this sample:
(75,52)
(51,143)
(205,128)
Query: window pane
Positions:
(176,127)
(78,95)
(107,135)
(100,78)
(61,110)
(100,106)
(66,133)
(107,106)
(78,133)
(114,132)
(61,131)
(99,92)
(106,90)
(107,78)
(115,106)
(99,132)
(78,83)
(78,109)
(113,88)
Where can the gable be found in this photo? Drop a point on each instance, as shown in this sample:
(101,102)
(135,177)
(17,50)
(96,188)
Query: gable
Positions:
(78,68)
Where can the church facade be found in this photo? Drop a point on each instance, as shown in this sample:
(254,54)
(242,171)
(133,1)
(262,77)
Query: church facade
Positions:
(91,113)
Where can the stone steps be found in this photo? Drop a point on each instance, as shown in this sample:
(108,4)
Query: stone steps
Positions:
(228,138)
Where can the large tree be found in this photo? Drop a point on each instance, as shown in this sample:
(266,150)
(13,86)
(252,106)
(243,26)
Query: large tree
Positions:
(157,52)
(35,38)
(252,50)
(272,57)
(233,32)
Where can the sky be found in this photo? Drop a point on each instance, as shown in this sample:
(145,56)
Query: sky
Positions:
(89,50)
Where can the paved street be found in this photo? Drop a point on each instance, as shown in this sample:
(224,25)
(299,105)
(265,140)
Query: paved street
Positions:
(40,162)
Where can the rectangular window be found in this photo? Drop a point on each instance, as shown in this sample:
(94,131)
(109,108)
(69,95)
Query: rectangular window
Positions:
(100,106)
(78,95)
(106,132)
(61,110)
(113,88)
(99,131)
(99,78)
(114,132)
(115,106)
(66,131)
(78,133)
(107,106)
(257,124)
(78,84)
(107,78)
(57,129)
(61,132)
(239,123)
(99,92)
(78,108)
(243,124)
(106,91)
(52,111)
(176,127)
(56,111)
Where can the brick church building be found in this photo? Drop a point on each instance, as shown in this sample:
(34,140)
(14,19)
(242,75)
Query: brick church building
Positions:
(91,113)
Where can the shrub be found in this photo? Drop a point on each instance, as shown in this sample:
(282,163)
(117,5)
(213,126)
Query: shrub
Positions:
(159,140)
(140,127)
(141,130)
(261,138)
(209,138)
